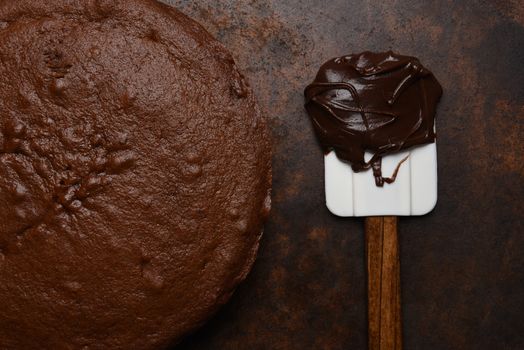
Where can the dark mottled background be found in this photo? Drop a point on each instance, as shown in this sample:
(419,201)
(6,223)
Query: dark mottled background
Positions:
(463,265)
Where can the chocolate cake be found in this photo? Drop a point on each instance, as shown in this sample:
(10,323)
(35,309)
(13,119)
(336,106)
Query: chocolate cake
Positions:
(134,175)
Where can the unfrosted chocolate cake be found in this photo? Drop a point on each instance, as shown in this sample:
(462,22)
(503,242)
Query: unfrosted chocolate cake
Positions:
(134,175)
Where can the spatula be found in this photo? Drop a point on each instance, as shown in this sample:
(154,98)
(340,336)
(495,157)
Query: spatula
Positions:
(414,192)
(373,114)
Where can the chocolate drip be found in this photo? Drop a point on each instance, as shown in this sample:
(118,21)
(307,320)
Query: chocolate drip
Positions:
(378,102)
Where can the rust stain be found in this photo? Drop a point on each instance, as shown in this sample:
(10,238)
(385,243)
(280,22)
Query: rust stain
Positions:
(318,234)
(513,9)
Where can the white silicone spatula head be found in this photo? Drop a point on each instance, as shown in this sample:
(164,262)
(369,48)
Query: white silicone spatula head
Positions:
(374,116)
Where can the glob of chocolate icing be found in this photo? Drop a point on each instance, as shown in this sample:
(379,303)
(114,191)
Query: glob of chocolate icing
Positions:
(377,102)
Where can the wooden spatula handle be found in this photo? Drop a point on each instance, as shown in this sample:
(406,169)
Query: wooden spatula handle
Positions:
(383,264)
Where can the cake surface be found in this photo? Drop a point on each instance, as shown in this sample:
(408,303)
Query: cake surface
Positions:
(134,175)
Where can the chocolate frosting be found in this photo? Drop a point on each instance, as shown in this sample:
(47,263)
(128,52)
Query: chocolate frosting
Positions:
(377,102)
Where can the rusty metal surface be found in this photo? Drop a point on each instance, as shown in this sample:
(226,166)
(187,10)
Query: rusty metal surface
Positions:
(463,265)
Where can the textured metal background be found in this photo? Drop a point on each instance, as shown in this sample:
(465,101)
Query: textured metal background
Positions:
(463,265)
